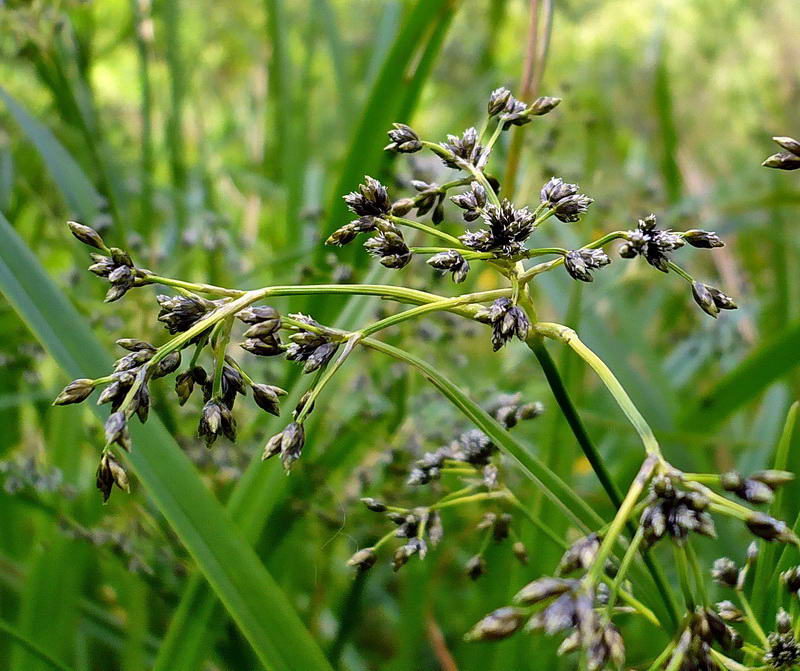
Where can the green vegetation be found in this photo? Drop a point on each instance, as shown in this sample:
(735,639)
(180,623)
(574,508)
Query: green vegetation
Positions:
(398,495)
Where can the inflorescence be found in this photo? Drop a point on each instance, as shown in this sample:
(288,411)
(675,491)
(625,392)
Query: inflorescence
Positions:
(593,582)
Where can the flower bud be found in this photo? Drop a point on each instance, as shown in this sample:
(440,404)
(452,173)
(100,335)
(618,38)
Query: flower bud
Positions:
(543,105)
(542,589)
(475,567)
(87,235)
(75,392)
(770,529)
(497,625)
(374,505)
(725,572)
(363,560)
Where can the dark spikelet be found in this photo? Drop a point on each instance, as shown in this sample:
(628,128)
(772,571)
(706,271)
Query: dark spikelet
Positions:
(770,529)
(87,235)
(497,625)
(506,230)
(507,320)
(725,572)
(363,560)
(267,396)
(110,473)
(75,392)
(451,261)
(371,199)
(580,262)
(403,139)
(703,239)
(564,200)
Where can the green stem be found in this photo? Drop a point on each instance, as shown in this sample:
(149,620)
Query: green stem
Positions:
(627,560)
(223,335)
(751,619)
(567,336)
(435,232)
(681,272)
(621,518)
(683,575)
(699,582)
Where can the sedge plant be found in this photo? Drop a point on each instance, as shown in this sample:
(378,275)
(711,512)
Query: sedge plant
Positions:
(598,576)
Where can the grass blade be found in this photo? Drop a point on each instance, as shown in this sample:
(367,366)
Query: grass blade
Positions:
(81,197)
(754,374)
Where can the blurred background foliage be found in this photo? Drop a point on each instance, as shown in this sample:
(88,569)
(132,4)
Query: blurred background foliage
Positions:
(215,140)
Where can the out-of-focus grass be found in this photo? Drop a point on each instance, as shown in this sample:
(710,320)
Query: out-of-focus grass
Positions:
(216,139)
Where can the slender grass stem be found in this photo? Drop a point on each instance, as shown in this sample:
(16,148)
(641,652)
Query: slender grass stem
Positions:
(567,336)
(435,232)
(699,582)
(627,560)
(752,620)
(621,518)
(683,575)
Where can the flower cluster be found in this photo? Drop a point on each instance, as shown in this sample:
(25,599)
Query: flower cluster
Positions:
(507,321)
(471,457)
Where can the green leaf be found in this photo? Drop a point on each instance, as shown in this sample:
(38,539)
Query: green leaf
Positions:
(78,191)
(754,374)
(227,561)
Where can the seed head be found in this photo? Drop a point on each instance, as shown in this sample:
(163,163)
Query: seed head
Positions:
(465,148)
(543,105)
(475,567)
(543,589)
(580,555)
(180,313)
(472,201)
(770,529)
(729,612)
(507,320)
(498,100)
(703,239)
(520,552)
(652,243)
(390,248)
(783,623)
(265,346)
(288,443)
(785,160)
(791,579)
(374,505)
(783,652)
(216,419)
